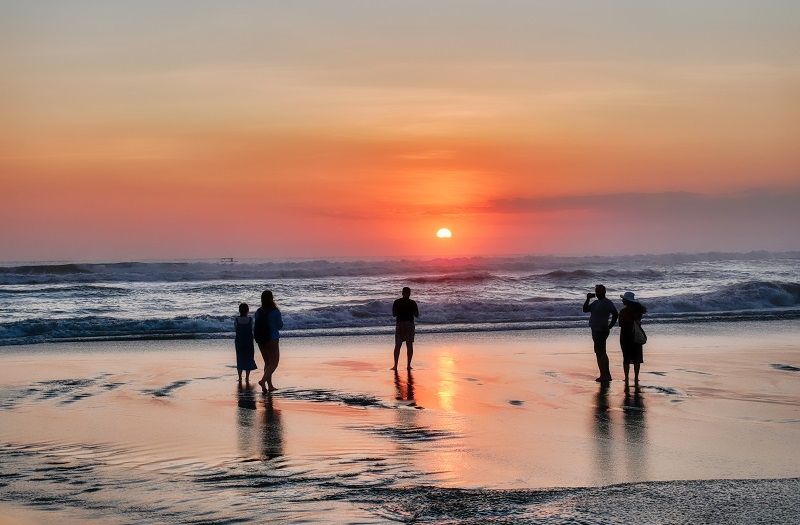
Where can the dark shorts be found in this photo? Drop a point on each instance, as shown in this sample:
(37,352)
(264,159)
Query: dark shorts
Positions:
(599,337)
(404,332)
(270,345)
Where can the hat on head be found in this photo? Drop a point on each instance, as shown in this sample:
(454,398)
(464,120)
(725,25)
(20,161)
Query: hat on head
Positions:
(629,296)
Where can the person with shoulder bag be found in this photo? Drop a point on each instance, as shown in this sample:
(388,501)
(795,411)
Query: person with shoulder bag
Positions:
(631,335)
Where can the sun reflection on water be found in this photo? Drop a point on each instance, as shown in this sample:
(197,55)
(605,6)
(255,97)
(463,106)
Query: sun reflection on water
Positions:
(447,382)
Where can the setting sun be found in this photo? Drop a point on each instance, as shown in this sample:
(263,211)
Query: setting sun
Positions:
(444,233)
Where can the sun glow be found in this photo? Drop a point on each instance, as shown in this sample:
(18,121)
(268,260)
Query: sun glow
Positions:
(444,233)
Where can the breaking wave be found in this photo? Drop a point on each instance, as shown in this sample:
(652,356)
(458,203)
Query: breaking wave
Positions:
(747,300)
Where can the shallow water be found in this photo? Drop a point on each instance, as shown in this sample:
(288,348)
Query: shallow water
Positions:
(483,430)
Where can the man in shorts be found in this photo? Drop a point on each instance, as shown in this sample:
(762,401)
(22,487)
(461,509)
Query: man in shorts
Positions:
(600,310)
(405,311)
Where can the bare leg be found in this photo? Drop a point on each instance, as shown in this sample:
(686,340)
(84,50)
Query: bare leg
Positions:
(627,368)
(396,354)
(602,366)
(240,375)
(636,373)
(246,377)
(599,366)
(264,353)
(275,357)
(600,354)
(409,353)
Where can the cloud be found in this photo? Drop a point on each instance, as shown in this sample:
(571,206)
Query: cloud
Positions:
(660,203)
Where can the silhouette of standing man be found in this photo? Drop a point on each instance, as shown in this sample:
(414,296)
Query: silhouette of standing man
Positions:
(405,311)
(600,310)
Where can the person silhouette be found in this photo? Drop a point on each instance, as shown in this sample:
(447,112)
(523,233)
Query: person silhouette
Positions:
(630,318)
(243,326)
(405,311)
(266,331)
(600,311)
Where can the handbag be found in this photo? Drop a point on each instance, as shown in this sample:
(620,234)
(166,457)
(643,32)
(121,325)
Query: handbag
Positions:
(639,337)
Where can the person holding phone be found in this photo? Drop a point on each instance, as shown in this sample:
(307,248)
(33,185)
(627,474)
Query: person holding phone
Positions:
(600,311)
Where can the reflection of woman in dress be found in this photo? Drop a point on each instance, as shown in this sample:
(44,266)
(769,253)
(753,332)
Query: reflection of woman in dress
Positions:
(272,431)
(629,317)
(268,323)
(243,325)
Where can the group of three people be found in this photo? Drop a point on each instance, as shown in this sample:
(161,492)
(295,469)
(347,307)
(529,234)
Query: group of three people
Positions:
(603,316)
(265,328)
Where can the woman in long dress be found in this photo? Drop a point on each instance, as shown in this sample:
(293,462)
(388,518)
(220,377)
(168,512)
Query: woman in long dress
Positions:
(245,351)
(268,323)
(629,318)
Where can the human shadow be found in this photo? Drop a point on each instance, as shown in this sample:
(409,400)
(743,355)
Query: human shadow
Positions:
(404,391)
(271,430)
(602,430)
(246,417)
(406,415)
(634,424)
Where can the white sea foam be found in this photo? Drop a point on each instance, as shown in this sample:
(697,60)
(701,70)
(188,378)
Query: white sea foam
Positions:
(165,300)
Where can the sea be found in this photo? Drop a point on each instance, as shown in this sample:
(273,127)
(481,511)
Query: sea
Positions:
(66,301)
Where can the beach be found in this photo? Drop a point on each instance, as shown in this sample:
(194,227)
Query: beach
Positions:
(505,426)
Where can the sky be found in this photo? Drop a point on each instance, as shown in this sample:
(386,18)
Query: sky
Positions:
(201,129)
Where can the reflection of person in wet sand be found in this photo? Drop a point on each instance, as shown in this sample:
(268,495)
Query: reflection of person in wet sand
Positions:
(246,403)
(601,416)
(602,433)
(600,311)
(634,424)
(405,311)
(272,437)
(246,399)
(404,392)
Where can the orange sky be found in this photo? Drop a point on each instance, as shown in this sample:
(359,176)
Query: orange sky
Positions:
(228,129)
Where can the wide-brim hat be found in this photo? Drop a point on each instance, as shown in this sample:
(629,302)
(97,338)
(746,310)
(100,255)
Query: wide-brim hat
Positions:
(629,296)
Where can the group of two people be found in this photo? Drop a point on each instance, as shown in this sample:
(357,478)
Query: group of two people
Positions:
(603,316)
(264,328)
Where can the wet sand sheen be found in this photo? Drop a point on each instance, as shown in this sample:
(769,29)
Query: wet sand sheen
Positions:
(108,427)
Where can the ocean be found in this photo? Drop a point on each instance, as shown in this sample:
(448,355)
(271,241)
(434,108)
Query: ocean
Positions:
(198,299)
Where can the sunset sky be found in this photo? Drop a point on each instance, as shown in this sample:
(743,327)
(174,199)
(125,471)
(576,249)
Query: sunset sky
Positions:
(188,129)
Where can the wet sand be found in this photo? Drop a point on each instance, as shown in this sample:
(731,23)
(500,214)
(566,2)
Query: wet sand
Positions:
(503,425)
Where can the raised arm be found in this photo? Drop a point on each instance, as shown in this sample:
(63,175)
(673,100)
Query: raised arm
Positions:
(586,303)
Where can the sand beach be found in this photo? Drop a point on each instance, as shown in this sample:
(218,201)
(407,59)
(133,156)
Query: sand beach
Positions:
(508,426)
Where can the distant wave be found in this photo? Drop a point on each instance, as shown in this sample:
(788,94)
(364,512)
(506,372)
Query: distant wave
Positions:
(747,300)
(612,273)
(749,295)
(467,277)
(47,269)
(73,290)
(99,327)
(566,267)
